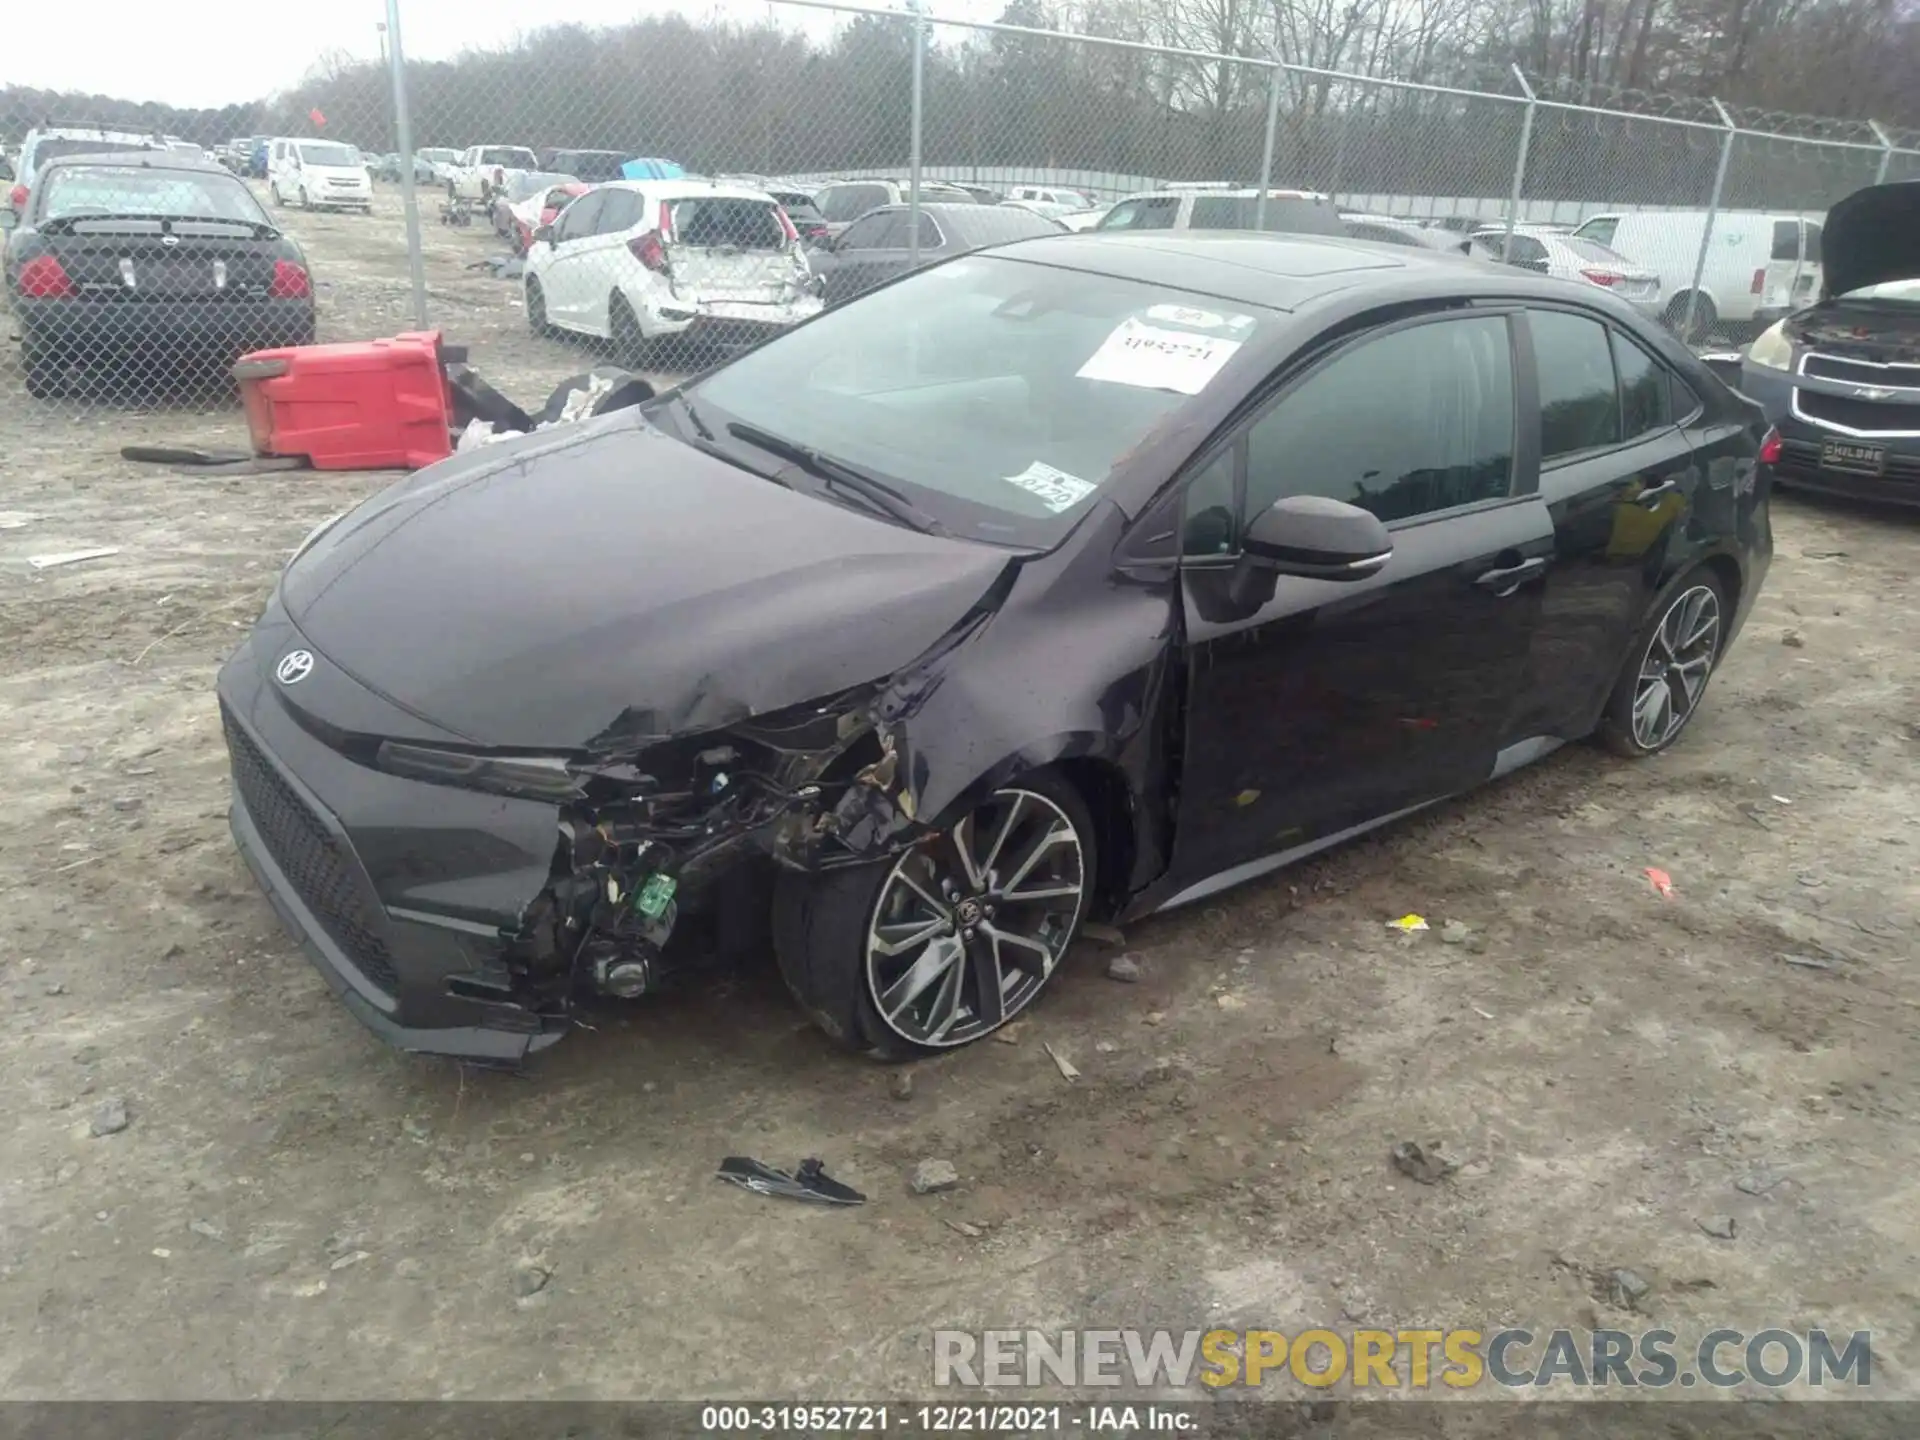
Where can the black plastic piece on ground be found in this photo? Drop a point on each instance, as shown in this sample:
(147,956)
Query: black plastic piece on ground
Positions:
(474,399)
(810,1182)
(182,455)
(628,390)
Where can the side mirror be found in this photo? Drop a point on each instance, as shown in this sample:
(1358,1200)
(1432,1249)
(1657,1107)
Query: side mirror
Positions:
(543,234)
(1317,538)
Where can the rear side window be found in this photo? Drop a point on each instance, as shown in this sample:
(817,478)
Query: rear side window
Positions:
(1646,399)
(1813,243)
(1155,212)
(718,222)
(1786,241)
(1410,423)
(621,211)
(1579,406)
(1599,230)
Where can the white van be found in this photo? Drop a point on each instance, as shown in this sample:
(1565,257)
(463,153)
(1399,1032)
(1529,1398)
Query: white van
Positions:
(1760,264)
(317,173)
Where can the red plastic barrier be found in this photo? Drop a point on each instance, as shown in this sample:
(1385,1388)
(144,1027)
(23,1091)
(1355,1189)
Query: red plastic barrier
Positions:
(363,405)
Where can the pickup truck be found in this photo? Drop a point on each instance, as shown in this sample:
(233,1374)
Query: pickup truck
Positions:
(482,169)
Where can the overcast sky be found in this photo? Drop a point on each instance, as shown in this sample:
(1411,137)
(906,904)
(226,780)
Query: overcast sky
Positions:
(212,52)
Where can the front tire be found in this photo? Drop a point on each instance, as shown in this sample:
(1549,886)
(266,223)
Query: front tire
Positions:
(273,193)
(946,943)
(1667,669)
(537,320)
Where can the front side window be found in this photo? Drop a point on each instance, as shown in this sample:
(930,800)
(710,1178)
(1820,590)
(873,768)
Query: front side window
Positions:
(1406,424)
(580,217)
(886,231)
(1579,406)
(849,202)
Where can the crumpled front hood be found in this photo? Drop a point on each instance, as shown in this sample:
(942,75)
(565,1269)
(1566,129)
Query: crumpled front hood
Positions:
(608,584)
(1871,237)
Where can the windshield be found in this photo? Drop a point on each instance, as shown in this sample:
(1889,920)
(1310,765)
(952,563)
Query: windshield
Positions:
(1001,393)
(73,190)
(341,156)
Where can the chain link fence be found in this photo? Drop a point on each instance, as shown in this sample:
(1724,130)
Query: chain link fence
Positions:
(666,192)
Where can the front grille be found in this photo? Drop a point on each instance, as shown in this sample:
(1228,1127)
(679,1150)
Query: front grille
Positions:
(1869,416)
(309,856)
(1861,372)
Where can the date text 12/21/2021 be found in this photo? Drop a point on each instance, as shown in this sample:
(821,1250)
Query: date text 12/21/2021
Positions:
(855,1419)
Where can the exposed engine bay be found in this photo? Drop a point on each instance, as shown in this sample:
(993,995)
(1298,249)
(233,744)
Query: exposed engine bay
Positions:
(676,831)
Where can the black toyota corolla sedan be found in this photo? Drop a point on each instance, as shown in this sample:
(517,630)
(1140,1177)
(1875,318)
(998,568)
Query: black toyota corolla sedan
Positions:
(1841,379)
(150,263)
(1081,577)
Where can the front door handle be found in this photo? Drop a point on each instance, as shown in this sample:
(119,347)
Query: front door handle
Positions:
(1650,497)
(1503,583)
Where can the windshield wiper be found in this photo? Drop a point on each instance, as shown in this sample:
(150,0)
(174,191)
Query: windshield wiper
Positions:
(703,439)
(877,493)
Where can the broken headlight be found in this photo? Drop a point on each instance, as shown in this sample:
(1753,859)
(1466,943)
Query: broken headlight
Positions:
(525,777)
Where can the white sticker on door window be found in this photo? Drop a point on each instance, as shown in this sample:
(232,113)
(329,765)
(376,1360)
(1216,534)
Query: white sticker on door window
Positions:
(1057,489)
(1153,358)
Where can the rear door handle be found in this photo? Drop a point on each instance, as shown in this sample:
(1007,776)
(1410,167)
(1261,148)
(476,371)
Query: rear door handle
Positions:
(1503,583)
(1654,494)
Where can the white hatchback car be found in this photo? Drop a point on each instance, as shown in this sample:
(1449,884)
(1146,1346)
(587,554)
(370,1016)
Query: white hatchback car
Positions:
(641,261)
(316,173)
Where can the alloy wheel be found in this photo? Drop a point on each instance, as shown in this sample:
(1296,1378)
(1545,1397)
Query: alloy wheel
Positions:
(969,926)
(1673,672)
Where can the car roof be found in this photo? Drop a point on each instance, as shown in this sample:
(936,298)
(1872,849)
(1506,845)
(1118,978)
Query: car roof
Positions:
(687,187)
(1278,271)
(145,159)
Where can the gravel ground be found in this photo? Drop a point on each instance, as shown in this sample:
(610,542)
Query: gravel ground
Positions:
(292,1211)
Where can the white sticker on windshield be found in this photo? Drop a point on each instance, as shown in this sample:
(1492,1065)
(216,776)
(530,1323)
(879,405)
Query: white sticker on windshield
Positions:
(1057,489)
(1154,358)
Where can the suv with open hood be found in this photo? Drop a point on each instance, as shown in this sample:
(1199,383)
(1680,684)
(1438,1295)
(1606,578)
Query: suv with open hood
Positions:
(1841,379)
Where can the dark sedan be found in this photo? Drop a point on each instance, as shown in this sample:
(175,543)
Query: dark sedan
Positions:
(149,263)
(876,248)
(1081,577)
(1841,379)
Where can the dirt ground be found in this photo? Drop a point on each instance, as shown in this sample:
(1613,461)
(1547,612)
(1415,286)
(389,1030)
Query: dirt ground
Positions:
(294,1211)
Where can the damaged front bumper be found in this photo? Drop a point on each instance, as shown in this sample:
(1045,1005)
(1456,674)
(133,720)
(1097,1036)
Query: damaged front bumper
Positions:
(456,912)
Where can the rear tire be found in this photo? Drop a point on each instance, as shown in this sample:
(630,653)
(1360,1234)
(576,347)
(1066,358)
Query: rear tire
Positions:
(1668,667)
(830,929)
(40,369)
(630,345)
(1705,317)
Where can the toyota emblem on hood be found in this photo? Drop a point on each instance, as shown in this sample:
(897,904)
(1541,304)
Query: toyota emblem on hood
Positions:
(294,667)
